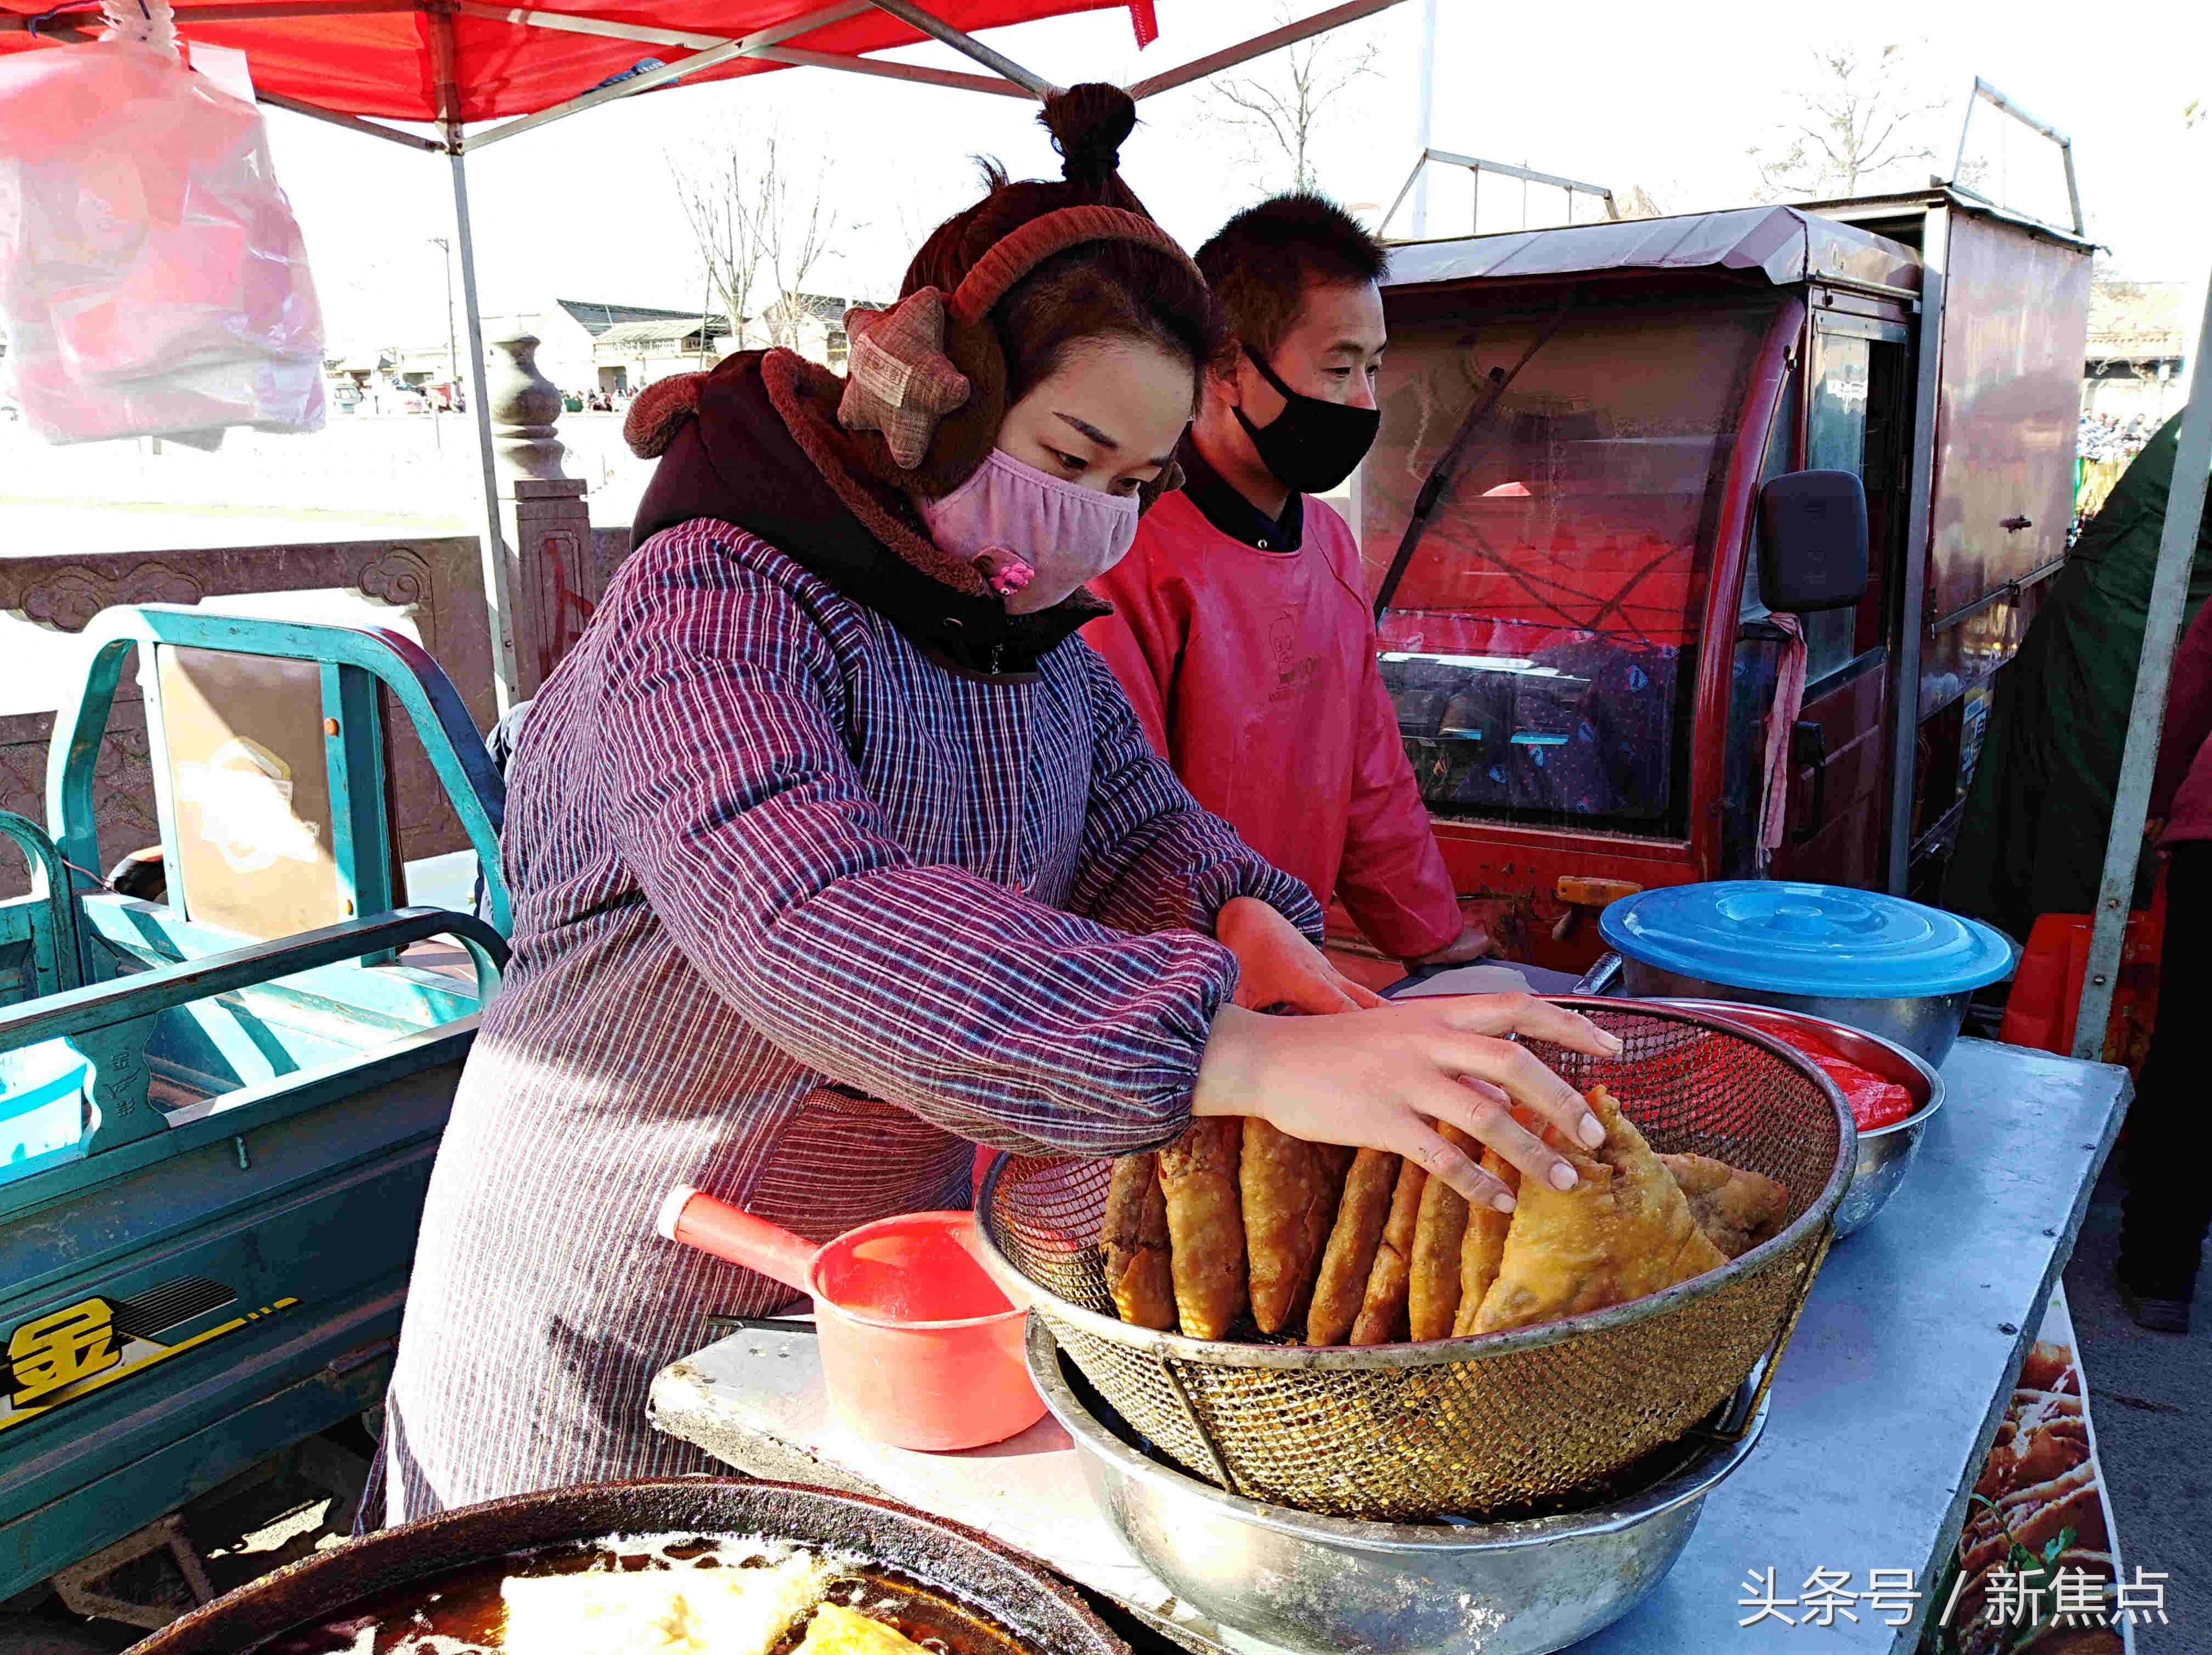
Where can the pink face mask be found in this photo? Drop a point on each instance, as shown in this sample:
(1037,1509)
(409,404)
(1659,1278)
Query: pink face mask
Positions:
(1035,538)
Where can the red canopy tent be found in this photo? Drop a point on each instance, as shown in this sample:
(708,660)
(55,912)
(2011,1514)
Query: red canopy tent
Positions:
(463,63)
(456,64)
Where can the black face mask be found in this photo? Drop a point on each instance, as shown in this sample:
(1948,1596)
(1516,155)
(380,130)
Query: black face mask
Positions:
(1311,446)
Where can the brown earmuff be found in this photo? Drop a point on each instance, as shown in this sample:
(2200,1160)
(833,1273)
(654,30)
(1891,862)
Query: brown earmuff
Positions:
(890,397)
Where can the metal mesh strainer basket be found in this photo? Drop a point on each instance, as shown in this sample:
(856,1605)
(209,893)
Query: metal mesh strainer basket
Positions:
(1402,1433)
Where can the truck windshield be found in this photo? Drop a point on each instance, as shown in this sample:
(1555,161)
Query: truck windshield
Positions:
(1540,642)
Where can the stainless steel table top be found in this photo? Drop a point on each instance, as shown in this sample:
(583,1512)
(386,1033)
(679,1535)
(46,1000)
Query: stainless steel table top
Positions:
(1892,1390)
(1902,1365)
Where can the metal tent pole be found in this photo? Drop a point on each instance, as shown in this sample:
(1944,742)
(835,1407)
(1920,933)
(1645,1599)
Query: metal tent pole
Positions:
(2169,588)
(498,585)
(913,15)
(1425,110)
(1911,625)
(507,683)
(1258,46)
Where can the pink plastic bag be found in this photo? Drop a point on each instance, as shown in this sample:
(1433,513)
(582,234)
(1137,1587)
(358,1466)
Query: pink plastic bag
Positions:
(153,278)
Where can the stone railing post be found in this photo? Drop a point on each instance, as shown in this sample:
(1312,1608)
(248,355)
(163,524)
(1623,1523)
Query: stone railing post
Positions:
(550,574)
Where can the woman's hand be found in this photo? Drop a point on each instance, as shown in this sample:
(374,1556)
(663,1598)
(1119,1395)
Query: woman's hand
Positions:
(1383,1079)
(1277,966)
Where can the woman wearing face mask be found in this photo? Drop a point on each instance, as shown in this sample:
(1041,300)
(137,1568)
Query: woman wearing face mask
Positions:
(833,851)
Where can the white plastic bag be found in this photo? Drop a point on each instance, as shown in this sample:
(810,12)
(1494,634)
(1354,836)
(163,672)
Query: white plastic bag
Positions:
(152,277)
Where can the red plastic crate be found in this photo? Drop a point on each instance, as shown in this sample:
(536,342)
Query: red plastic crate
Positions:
(2046,1001)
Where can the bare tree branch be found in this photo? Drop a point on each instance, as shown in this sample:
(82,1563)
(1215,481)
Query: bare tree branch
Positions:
(721,205)
(1281,114)
(794,238)
(757,236)
(1856,122)
(1639,203)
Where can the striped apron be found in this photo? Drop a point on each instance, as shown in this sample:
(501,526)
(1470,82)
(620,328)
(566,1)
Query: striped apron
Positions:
(769,862)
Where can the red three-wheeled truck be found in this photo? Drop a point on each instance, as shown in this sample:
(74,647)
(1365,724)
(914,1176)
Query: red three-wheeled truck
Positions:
(1560,526)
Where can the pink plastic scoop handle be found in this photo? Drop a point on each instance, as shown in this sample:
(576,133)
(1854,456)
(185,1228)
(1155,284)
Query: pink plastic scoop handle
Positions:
(697,1220)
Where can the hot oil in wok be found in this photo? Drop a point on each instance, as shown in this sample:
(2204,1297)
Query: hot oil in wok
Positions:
(461,1613)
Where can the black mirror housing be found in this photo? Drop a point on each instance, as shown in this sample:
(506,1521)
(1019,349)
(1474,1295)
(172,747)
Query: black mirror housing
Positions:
(1812,542)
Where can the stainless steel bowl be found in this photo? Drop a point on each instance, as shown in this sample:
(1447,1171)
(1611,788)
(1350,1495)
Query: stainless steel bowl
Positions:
(1926,1026)
(1884,1153)
(1325,1584)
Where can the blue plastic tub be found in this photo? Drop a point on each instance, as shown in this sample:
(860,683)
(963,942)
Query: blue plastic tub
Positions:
(42,1106)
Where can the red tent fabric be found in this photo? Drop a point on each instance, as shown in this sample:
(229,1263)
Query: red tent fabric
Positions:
(384,64)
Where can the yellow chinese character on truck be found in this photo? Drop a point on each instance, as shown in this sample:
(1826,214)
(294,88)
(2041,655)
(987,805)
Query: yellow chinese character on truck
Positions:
(57,1350)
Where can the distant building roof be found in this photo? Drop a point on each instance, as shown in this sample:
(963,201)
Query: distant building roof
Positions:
(822,308)
(595,317)
(635,335)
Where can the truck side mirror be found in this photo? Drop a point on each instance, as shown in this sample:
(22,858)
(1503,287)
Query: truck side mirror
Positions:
(1811,541)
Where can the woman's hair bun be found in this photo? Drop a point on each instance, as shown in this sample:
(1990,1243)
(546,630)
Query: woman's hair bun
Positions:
(1088,123)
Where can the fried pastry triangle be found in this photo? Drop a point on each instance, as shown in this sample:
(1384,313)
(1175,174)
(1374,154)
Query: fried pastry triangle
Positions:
(1625,1230)
(1735,1208)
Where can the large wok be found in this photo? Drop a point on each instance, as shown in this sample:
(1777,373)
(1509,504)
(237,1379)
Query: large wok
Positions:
(1039,1611)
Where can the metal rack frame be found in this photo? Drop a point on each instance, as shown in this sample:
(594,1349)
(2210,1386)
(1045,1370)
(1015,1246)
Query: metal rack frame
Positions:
(1478,167)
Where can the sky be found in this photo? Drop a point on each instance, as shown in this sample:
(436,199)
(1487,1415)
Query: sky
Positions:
(1669,99)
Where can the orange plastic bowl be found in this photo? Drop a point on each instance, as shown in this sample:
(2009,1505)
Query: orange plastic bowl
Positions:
(919,1347)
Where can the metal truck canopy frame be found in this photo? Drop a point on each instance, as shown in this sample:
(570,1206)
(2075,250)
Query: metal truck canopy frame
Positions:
(449,63)
(1961,240)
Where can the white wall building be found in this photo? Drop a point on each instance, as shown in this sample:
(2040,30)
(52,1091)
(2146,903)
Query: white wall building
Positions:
(2137,339)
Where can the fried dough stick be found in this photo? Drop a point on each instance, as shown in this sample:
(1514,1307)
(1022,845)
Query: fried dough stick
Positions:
(1281,1180)
(1382,1313)
(1625,1230)
(1205,1225)
(1353,1238)
(1134,1239)
(1432,1292)
(1483,1246)
(1333,1162)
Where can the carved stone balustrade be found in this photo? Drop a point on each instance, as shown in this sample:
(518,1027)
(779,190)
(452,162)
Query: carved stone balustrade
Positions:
(553,576)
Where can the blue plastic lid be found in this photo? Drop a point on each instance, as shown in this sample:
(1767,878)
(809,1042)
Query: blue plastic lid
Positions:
(1806,940)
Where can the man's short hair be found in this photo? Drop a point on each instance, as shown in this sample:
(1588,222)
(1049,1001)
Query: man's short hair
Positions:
(1259,262)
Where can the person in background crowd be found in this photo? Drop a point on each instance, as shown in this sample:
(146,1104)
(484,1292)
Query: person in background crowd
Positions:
(1241,628)
(2169,1204)
(2040,808)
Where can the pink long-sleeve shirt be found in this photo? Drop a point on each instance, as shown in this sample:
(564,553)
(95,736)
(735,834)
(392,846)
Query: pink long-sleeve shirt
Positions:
(1253,670)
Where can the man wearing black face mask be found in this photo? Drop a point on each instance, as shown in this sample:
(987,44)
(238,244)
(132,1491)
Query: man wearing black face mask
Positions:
(1241,629)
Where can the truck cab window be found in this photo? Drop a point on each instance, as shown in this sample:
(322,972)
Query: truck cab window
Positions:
(1835,441)
(1540,642)
(1854,422)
